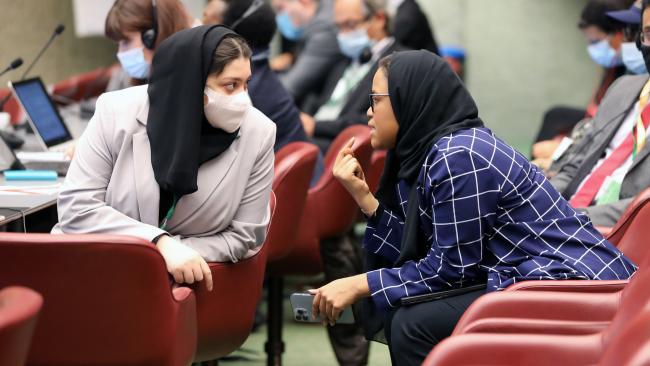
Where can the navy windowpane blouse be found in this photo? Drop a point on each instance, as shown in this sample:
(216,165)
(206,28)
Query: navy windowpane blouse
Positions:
(486,211)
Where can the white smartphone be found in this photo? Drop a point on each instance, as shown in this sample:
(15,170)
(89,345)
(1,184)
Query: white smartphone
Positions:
(301,305)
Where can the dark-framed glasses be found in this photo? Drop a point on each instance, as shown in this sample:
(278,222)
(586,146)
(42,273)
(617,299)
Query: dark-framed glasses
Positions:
(374,98)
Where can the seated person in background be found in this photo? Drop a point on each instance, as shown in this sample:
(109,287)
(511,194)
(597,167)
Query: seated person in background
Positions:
(131,24)
(185,162)
(213,12)
(309,22)
(364,37)
(604,36)
(456,207)
(411,27)
(266,92)
(635,65)
(608,167)
(284,60)
(265,89)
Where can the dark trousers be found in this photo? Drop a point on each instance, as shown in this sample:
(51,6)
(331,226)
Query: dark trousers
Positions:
(342,258)
(412,331)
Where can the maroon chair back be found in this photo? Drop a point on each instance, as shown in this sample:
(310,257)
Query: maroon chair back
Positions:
(634,234)
(83,86)
(329,210)
(377,162)
(19,309)
(333,208)
(294,167)
(108,300)
(632,346)
(635,299)
(629,215)
(225,315)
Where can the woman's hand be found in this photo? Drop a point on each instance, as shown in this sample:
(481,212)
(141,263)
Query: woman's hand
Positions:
(184,263)
(349,172)
(333,298)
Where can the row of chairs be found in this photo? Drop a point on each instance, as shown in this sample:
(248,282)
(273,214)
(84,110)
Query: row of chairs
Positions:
(108,299)
(74,89)
(563,322)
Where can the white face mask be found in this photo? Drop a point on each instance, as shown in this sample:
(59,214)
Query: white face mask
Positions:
(226,112)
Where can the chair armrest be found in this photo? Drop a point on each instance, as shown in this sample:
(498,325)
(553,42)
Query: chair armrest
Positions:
(535,326)
(516,349)
(541,306)
(588,286)
(185,339)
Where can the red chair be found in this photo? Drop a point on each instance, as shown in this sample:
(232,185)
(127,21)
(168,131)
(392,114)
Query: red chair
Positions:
(548,343)
(19,309)
(631,212)
(631,347)
(377,162)
(108,300)
(294,166)
(329,211)
(83,86)
(225,315)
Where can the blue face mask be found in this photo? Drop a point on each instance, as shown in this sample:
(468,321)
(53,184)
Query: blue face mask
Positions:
(287,28)
(134,64)
(633,58)
(353,43)
(604,55)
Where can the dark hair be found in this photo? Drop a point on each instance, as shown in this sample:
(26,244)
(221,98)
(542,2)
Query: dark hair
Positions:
(384,64)
(231,48)
(136,16)
(595,14)
(258,28)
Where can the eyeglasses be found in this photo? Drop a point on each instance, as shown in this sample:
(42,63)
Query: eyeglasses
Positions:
(374,101)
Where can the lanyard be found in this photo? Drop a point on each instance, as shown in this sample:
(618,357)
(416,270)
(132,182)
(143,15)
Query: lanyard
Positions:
(170,213)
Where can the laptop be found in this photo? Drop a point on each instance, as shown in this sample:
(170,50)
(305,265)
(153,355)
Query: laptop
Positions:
(51,131)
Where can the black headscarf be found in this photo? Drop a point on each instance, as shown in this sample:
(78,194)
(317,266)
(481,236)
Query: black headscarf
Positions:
(180,136)
(429,102)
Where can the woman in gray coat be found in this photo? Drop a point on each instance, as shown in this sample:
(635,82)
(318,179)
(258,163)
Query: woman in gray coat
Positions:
(185,162)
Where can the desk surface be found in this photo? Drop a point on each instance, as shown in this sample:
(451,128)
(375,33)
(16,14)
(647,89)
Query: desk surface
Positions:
(14,206)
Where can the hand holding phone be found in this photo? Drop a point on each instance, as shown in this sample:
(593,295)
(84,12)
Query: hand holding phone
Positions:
(301,303)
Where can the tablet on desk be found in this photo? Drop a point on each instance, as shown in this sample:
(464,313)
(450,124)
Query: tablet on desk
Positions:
(42,115)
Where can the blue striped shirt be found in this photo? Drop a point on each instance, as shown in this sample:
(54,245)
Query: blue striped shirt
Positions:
(486,211)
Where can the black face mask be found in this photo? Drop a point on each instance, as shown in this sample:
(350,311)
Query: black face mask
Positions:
(645,51)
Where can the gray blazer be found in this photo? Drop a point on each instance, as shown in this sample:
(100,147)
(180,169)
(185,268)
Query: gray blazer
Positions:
(616,105)
(110,187)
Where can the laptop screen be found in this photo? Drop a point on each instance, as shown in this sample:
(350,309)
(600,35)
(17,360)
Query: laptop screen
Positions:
(41,111)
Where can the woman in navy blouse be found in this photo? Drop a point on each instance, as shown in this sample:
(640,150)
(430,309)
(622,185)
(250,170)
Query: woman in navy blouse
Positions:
(456,207)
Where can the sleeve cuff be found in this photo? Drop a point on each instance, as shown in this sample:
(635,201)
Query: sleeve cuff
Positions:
(380,296)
